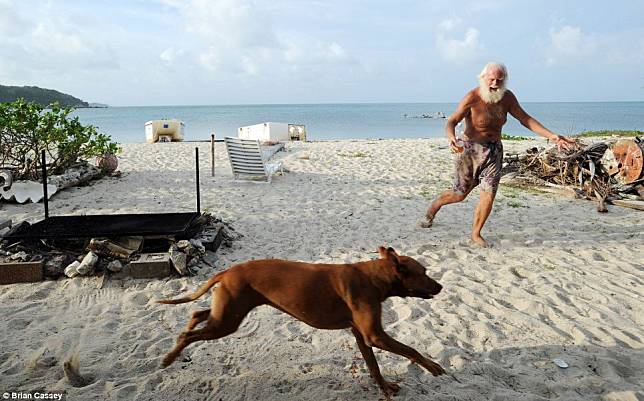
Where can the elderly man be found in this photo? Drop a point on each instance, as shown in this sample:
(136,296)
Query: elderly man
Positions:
(480,152)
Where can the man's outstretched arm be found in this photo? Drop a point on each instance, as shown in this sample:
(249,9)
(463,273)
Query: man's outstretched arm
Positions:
(535,126)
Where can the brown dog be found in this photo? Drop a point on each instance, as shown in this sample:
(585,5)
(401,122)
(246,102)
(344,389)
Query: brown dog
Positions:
(325,296)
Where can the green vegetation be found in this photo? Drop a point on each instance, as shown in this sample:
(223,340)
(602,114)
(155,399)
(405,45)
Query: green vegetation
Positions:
(26,129)
(515,204)
(507,137)
(509,192)
(44,97)
(427,192)
(588,134)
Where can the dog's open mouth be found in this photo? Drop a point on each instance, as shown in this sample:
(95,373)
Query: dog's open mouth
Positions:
(421,294)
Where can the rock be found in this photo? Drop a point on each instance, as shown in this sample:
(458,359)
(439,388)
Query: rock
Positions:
(55,265)
(560,362)
(193,262)
(71,270)
(183,244)
(150,265)
(21,256)
(87,265)
(187,247)
(179,260)
(198,245)
(115,266)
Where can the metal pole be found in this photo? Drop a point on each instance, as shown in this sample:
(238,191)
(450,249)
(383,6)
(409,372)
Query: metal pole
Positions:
(44,184)
(197,180)
(212,153)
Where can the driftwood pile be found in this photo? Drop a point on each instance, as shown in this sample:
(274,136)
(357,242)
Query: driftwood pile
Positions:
(602,171)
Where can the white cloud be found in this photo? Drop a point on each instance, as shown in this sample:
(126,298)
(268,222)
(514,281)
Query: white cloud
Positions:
(210,59)
(231,23)
(568,43)
(449,24)
(239,37)
(305,52)
(48,44)
(11,22)
(457,50)
(169,55)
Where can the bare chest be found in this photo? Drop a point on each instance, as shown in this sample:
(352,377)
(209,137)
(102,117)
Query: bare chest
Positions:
(489,116)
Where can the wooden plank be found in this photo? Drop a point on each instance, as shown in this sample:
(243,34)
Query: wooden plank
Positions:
(631,204)
(21,272)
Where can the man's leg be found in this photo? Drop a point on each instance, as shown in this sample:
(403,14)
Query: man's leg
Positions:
(443,199)
(481,214)
(464,182)
(489,183)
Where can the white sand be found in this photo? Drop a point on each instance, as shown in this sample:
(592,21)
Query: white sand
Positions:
(561,280)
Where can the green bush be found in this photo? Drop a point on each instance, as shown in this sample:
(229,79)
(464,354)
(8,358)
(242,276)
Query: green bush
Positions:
(587,134)
(28,128)
(508,137)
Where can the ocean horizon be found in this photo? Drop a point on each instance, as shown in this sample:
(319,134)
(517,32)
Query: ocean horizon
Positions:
(335,121)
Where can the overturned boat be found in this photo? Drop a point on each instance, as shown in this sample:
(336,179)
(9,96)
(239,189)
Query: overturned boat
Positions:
(165,130)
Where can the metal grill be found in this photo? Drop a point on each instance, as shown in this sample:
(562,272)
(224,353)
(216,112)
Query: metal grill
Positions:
(111,225)
(115,225)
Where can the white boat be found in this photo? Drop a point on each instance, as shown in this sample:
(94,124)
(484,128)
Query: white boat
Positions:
(268,131)
(165,130)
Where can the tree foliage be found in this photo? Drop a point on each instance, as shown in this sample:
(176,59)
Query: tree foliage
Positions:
(27,128)
(38,95)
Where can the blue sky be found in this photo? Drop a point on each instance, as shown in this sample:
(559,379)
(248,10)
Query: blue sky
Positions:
(192,52)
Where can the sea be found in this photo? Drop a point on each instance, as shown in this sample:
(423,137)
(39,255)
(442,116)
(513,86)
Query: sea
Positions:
(354,120)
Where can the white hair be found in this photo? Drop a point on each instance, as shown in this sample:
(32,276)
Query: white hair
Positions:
(494,66)
(485,93)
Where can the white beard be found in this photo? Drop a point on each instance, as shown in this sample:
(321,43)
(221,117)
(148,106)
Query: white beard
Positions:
(489,96)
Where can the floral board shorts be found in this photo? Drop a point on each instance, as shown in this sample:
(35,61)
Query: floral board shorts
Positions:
(479,163)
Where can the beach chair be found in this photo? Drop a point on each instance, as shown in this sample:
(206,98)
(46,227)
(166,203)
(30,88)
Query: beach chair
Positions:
(246,159)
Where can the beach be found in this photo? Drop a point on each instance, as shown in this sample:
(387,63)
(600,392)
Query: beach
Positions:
(559,281)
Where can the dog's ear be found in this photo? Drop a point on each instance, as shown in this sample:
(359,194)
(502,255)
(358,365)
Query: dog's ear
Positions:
(400,267)
(390,255)
(383,252)
(386,252)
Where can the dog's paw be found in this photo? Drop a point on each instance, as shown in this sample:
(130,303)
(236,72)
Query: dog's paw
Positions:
(433,368)
(167,361)
(425,222)
(390,389)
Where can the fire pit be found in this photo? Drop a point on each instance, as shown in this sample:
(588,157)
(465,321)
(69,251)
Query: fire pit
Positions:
(116,243)
(90,226)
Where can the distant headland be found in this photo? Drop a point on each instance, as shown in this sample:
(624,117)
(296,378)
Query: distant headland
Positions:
(43,96)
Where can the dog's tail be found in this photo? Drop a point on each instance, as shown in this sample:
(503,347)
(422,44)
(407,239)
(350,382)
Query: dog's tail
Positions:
(202,290)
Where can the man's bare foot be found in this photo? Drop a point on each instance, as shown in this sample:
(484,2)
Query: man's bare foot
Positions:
(427,221)
(478,240)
